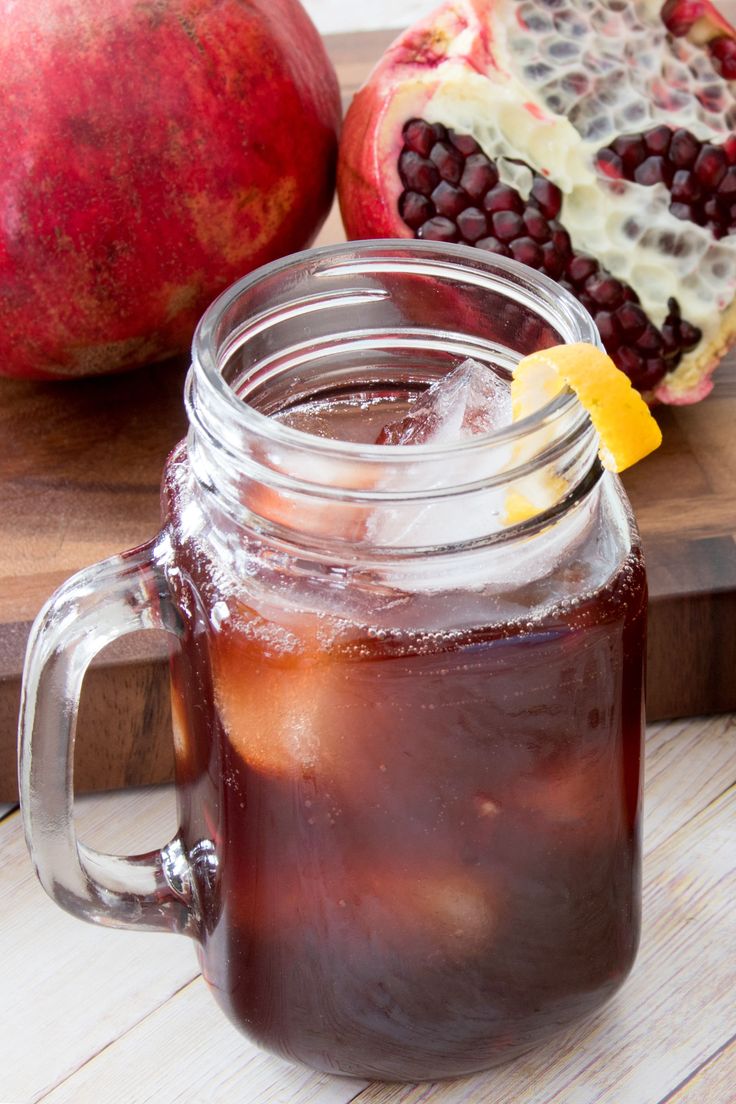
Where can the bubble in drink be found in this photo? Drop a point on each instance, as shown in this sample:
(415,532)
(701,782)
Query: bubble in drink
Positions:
(469,401)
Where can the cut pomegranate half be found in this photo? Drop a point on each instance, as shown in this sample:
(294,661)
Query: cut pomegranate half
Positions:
(593,140)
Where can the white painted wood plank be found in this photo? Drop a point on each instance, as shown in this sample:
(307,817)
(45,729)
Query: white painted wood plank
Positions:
(68,988)
(688,764)
(674,1012)
(715,1082)
(187,1053)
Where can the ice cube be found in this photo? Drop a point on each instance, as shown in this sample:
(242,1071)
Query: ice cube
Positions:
(469,401)
(421,904)
(272,692)
(583,797)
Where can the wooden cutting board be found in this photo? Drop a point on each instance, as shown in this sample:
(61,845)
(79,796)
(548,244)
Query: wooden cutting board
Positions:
(80,465)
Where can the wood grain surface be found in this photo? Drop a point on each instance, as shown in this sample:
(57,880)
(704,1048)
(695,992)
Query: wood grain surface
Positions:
(80,466)
(95,1015)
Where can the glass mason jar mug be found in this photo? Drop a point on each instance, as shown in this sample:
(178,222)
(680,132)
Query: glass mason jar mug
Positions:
(407,729)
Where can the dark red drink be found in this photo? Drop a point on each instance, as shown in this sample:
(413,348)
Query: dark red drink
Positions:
(424,804)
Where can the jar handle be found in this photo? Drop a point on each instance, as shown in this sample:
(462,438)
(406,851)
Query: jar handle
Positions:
(120,595)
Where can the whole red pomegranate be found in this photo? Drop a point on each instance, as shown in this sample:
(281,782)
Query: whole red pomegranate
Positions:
(151,151)
(590,139)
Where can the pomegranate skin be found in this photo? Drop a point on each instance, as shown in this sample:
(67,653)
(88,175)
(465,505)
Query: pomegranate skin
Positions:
(372,138)
(151,152)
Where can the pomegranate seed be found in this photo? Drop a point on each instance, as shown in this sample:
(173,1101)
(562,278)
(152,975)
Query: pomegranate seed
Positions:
(630,295)
(684,148)
(554,264)
(440,132)
(659,367)
(417,173)
(654,170)
(631,149)
(579,268)
(606,291)
(685,186)
(449,200)
(678,16)
(547,197)
(683,211)
(479,175)
(730,149)
(608,329)
(507,225)
(610,164)
(654,369)
(711,207)
(438,229)
(465,143)
(727,187)
(627,360)
(670,340)
(650,340)
(710,165)
(631,319)
(723,50)
(560,238)
(503,198)
(415,209)
(657,140)
(536,225)
(419,136)
(472,224)
(689,336)
(527,252)
(448,160)
(493,245)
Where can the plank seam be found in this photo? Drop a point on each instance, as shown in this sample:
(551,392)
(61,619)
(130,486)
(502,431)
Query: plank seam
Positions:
(113,1042)
(714,800)
(693,1073)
